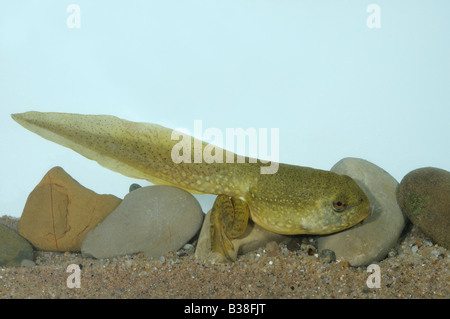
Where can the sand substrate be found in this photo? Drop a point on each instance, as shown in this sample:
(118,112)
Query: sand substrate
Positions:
(418,269)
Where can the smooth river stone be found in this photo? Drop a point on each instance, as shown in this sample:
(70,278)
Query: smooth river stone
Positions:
(424,196)
(370,240)
(151,220)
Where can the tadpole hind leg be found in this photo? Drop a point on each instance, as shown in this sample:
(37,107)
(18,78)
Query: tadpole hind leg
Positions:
(229,218)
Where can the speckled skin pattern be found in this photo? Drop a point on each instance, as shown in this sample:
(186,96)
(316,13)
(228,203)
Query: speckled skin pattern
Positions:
(294,200)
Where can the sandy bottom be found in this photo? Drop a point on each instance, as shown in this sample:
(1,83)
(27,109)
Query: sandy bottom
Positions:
(418,269)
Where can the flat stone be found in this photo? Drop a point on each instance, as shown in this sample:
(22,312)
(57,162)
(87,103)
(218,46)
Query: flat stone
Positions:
(151,220)
(13,248)
(253,238)
(372,239)
(59,212)
(424,196)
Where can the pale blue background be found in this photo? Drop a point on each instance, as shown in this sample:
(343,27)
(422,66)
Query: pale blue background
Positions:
(313,69)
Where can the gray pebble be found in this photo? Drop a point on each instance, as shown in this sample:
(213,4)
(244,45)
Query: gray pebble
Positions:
(327,256)
(152,220)
(134,187)
(188,247)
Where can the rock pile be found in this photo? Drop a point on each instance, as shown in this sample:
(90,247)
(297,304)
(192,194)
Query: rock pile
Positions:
(62,215)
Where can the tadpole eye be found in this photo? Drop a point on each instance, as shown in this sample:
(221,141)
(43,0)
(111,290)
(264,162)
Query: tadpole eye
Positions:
(339,206)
